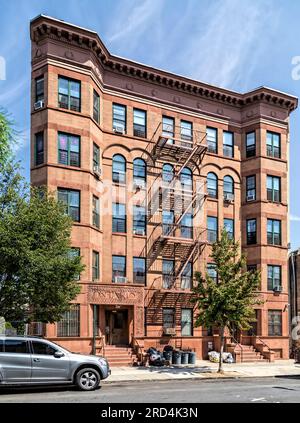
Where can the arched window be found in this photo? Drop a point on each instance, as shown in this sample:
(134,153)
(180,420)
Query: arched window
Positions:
(119,169)
(168,172)
(228,185)
(186,178)
(212,185)
(139,172)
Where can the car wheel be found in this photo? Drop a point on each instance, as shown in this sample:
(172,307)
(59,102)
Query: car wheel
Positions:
(87,379)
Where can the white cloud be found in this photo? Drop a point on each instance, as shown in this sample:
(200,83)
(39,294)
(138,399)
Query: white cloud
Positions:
(131,21)
(294,218)
(228,41)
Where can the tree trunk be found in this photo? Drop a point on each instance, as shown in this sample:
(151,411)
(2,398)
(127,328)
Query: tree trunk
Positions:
(220,369)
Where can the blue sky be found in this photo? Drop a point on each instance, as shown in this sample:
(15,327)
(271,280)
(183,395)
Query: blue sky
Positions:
(237,44)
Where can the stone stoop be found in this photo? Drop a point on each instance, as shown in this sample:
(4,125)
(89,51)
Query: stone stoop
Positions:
(249,354)
(119,355)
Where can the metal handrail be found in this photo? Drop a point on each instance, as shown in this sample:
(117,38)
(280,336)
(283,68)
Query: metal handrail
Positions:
(239,345)
(137,347)
(264,343)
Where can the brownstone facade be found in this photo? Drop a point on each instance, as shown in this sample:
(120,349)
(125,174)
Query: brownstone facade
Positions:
(118,306)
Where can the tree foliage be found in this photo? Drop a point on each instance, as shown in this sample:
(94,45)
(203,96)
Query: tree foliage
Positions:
(230,302)
(37,272)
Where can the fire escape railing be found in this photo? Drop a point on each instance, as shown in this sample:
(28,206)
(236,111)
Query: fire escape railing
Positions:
(183,149)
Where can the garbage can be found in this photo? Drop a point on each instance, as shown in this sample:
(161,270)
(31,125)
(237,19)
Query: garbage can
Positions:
(176,357)
(168,356)
(184,357)
(192,357)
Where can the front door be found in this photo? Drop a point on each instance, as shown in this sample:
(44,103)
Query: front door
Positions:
(117,324)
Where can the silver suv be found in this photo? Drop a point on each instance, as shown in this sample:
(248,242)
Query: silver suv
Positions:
(31,360)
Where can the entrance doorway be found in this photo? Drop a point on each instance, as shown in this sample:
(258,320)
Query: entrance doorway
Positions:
(116,330)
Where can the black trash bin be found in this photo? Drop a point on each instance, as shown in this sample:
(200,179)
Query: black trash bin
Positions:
(184,357)
(168,356)
(192,357)
(176,357)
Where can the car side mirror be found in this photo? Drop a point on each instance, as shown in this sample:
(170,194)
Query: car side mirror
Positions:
(58,354)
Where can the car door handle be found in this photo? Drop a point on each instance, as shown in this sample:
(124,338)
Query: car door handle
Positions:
(36,359)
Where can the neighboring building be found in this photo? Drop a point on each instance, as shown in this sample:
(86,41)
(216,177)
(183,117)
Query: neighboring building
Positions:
(294,283)
(104,132)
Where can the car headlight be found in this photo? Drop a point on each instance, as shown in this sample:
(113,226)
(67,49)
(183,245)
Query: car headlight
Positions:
(102,361)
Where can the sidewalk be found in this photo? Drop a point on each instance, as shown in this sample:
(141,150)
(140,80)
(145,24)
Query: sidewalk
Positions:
(204,370)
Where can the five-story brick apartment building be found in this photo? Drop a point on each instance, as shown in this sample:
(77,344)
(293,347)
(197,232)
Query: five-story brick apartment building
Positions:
(151,166)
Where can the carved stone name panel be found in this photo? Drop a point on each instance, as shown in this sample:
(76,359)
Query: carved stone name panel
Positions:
(119,295)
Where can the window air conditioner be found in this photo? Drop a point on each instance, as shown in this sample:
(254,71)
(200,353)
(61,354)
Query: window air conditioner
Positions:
(250,197)
(169,331)
(39,105)
(97,171)
(120,279)
(277,288)
(119,129)
(229,197)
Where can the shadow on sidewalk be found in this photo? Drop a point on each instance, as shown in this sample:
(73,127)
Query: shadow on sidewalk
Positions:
(180,370)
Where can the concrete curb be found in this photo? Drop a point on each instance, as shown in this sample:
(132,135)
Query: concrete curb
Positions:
(213,377)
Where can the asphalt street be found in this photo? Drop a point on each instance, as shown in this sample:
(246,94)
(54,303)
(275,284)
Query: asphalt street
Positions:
(253,390)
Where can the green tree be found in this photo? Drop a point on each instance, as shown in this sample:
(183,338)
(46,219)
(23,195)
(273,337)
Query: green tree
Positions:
(7,137)
(228,302)
(37,270)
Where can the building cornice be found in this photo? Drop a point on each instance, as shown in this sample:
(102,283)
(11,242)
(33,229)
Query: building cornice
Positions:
(44,27)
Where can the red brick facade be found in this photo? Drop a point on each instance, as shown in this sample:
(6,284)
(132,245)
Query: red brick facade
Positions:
(63,50)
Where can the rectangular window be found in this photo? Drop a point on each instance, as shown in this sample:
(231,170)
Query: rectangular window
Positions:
(168,317)
(139,270)
(212,272)
(168,129)
(96,214)
(95,265)
(69,94)
(168,222)
(96,106)
(39,89)
(212,229)
(228,149)
(118,268)
(186,133)
(186,226)
(251,188)
(139,220)
(250,144)
(119,118)
(68,149)
(274,277)
(39,148)
(212,140)
(251,267)
(187,276)
(75,252)
(229,227)
(139,123)
(69,325)
(251,231)
(273,189)
(71,200)
(13,346)
(119,218)
(274,323)
(274,232)
(168,268)
(273,144)
(96,158)
(187,322)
